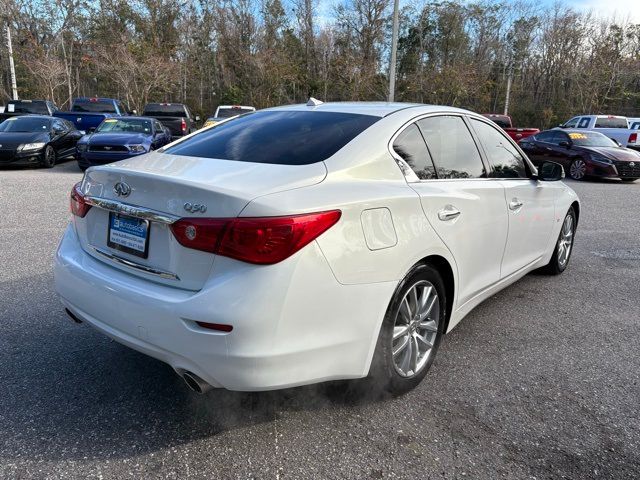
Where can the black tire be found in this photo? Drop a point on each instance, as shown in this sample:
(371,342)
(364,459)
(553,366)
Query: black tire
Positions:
(555,265)
(574,169)
(629,179)
(49,157)
(384,372)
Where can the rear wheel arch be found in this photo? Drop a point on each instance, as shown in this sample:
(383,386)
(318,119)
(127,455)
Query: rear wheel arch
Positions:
(445,270)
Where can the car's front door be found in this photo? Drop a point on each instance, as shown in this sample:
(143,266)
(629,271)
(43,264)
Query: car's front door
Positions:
(465,209)
(530,203)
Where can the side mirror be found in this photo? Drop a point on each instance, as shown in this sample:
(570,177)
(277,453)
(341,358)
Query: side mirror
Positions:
(565,144)
(550,172)
(197,118)
(91,130)
(134,112)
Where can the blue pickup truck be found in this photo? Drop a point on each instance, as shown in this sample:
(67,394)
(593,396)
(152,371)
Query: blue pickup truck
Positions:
(87,113)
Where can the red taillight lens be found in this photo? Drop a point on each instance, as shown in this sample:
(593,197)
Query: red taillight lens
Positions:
(633,138)
(263,241)
(199,233)
(183,125)
(79,207)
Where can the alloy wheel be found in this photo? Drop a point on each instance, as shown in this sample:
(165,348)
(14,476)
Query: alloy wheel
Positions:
(565,242)
(578,169)
(415,329)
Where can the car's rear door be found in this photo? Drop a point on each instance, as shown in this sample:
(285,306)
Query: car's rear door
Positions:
(530,203)
(465,208)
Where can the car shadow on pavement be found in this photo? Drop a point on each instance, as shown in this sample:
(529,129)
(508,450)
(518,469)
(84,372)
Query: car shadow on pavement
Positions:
(71,393)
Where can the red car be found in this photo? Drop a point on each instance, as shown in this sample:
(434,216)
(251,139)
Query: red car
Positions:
(504,122)
(583,154)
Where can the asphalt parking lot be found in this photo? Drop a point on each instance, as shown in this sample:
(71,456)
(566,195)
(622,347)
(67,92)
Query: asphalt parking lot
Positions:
(541,381)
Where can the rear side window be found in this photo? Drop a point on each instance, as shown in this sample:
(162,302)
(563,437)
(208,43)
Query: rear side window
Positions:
(452,148)
(611,122)
(584,122)
(505,160)
(280,137)
(411,147)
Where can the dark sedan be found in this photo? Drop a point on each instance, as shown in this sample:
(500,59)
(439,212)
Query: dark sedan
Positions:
(583,154)
(36,140)
(118,138)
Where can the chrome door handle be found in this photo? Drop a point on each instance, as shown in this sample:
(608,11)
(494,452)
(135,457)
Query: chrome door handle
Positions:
(448,213)
(515,204)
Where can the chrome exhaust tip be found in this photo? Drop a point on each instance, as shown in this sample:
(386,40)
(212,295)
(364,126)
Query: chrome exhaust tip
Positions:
(195,383)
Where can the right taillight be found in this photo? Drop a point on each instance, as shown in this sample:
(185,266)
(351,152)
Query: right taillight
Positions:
(262,240)
(633,138)
(79,206)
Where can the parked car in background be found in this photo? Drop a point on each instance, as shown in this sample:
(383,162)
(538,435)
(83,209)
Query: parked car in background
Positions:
(583,153)
(118,138)
(227,111)
(634,123)
(15,108)
(175,116)
(307,243)
(614,127)
(37,140)
(504,122)
(87,113)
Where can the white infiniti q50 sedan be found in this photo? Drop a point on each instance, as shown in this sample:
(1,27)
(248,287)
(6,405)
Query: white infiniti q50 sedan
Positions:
(312,242)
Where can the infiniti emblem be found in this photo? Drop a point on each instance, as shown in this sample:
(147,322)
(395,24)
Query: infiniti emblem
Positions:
(122,189)
(632,164)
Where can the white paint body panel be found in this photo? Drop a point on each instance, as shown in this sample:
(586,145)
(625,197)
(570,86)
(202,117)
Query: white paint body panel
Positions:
(316,315)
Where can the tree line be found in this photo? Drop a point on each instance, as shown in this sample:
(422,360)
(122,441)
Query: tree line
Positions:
(270,52)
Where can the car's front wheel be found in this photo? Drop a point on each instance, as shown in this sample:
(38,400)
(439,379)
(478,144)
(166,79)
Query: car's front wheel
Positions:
(578,169)
(411,331)
(49,157)
(564,246)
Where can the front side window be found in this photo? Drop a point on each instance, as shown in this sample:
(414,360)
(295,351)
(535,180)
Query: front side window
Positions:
(452,148)
(584,122)
(504,158)
(278,136)
(411,147)
(572,123)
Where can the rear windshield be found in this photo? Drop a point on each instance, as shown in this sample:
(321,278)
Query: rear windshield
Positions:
(164,110)
(27,107)
(232,112)
(93,106)
(281,137)
(611,122)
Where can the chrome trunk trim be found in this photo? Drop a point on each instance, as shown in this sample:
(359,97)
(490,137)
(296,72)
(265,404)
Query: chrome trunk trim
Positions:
(137,266)
(132,210)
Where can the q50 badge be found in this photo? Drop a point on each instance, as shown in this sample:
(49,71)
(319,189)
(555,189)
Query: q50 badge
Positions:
(195,207)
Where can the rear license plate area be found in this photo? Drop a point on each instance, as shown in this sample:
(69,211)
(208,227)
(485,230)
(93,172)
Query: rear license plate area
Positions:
(128,234)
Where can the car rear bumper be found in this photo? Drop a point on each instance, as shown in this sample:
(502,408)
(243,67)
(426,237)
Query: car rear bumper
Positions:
(293,323)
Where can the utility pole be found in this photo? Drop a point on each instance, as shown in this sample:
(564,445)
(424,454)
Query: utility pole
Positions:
(14,88)
(508,94)
(394,49)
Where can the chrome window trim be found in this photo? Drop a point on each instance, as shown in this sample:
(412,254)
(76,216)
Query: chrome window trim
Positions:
(137,266)
(132,210)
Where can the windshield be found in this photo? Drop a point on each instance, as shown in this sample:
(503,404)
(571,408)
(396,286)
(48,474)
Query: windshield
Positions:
(119,125)
(232,112)
(93,106)
(25,124)
(591,139)
(164,110)
(281,137)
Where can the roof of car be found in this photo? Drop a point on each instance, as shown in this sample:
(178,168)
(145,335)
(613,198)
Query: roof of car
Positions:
(377,109)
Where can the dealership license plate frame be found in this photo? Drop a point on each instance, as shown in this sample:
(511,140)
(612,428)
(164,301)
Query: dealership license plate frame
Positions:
(142,253)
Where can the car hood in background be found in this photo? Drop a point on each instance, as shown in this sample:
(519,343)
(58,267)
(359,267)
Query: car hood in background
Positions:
(613,153)
(117,138)
(11,140)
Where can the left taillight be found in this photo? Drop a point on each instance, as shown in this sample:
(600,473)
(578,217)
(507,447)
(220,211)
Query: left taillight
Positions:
(79,206)
(183,126)
(262,241)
